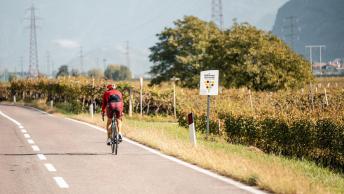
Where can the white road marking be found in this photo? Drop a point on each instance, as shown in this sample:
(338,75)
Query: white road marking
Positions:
(30,141)
(35,148)
(27,136)
(41,157)
(9,118)
(43,112)
(188,165)
(50,167)
(61,182)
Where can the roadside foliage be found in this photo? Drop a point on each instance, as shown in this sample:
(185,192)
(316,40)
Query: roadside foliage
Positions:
(306,123)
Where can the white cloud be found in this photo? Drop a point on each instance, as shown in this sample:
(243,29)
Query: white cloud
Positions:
(65,43)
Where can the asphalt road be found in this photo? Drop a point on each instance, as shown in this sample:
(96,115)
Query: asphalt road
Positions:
(40,153)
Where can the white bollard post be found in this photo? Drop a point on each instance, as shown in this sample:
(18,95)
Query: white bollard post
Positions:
(91,110)
(51,103)
(192,131)
(14,99)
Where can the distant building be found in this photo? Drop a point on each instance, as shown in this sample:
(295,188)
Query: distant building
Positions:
(332,68)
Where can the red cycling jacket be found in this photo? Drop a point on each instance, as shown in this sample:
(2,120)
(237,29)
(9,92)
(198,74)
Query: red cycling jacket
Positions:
(106,96)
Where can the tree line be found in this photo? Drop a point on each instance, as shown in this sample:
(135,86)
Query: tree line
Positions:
(113,72)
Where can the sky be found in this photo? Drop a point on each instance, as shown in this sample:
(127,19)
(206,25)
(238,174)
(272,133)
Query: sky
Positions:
(102,28)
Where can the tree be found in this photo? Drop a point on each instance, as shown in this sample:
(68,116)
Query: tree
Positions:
(12,77)
(117,72)
(245,56)
(181,50)
(74,73)
(248,57)
(63,71)
(95,73)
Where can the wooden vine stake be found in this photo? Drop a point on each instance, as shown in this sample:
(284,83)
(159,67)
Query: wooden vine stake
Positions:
(312,96)
(326,99)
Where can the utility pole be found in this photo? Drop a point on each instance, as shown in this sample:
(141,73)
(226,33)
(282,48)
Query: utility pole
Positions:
(104,64)
(48,63)
(33,55)
(21,67)
(127,54)
(217,13)
(81,61)
(291,29)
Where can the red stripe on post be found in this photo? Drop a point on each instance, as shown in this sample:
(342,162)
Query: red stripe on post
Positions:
(190,118)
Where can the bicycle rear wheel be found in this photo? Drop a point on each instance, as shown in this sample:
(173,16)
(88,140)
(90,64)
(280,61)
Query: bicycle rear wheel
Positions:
(114,137)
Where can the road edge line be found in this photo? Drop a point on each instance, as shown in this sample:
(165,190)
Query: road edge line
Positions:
(181,162)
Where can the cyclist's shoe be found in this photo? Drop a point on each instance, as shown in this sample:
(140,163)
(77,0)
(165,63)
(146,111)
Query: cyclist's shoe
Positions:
(108,142)
(120,138)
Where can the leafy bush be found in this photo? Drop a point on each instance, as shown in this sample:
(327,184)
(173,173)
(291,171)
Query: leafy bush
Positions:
(321,142)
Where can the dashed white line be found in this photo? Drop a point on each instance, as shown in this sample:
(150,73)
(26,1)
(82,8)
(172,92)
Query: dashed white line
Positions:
(27,136)
(50,167)
(41,157)
(61,182)
(35,148)
(30,141)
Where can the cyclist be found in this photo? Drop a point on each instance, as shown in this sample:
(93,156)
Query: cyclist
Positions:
(112,104)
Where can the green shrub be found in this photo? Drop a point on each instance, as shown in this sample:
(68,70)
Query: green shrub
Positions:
(322,142)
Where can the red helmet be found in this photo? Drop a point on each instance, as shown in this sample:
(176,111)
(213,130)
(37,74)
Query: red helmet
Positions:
(110,87)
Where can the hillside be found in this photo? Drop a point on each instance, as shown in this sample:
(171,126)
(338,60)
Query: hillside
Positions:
(317,22)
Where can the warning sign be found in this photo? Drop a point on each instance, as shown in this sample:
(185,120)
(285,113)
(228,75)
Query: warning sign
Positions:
(209,83)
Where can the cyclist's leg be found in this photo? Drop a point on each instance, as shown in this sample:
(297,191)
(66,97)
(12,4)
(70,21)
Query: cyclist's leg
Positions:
(119,115)
(108,122)
(108,127)
(119,125)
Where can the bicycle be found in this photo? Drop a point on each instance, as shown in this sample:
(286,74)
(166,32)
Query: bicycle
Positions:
(114,135)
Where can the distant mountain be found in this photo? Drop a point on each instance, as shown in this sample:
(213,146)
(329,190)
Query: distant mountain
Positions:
(313,22)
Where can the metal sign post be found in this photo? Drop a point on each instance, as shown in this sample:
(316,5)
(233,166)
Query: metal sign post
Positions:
(208,113)
(209,86)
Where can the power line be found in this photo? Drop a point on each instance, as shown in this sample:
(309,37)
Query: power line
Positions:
(33,55)
(217,13)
